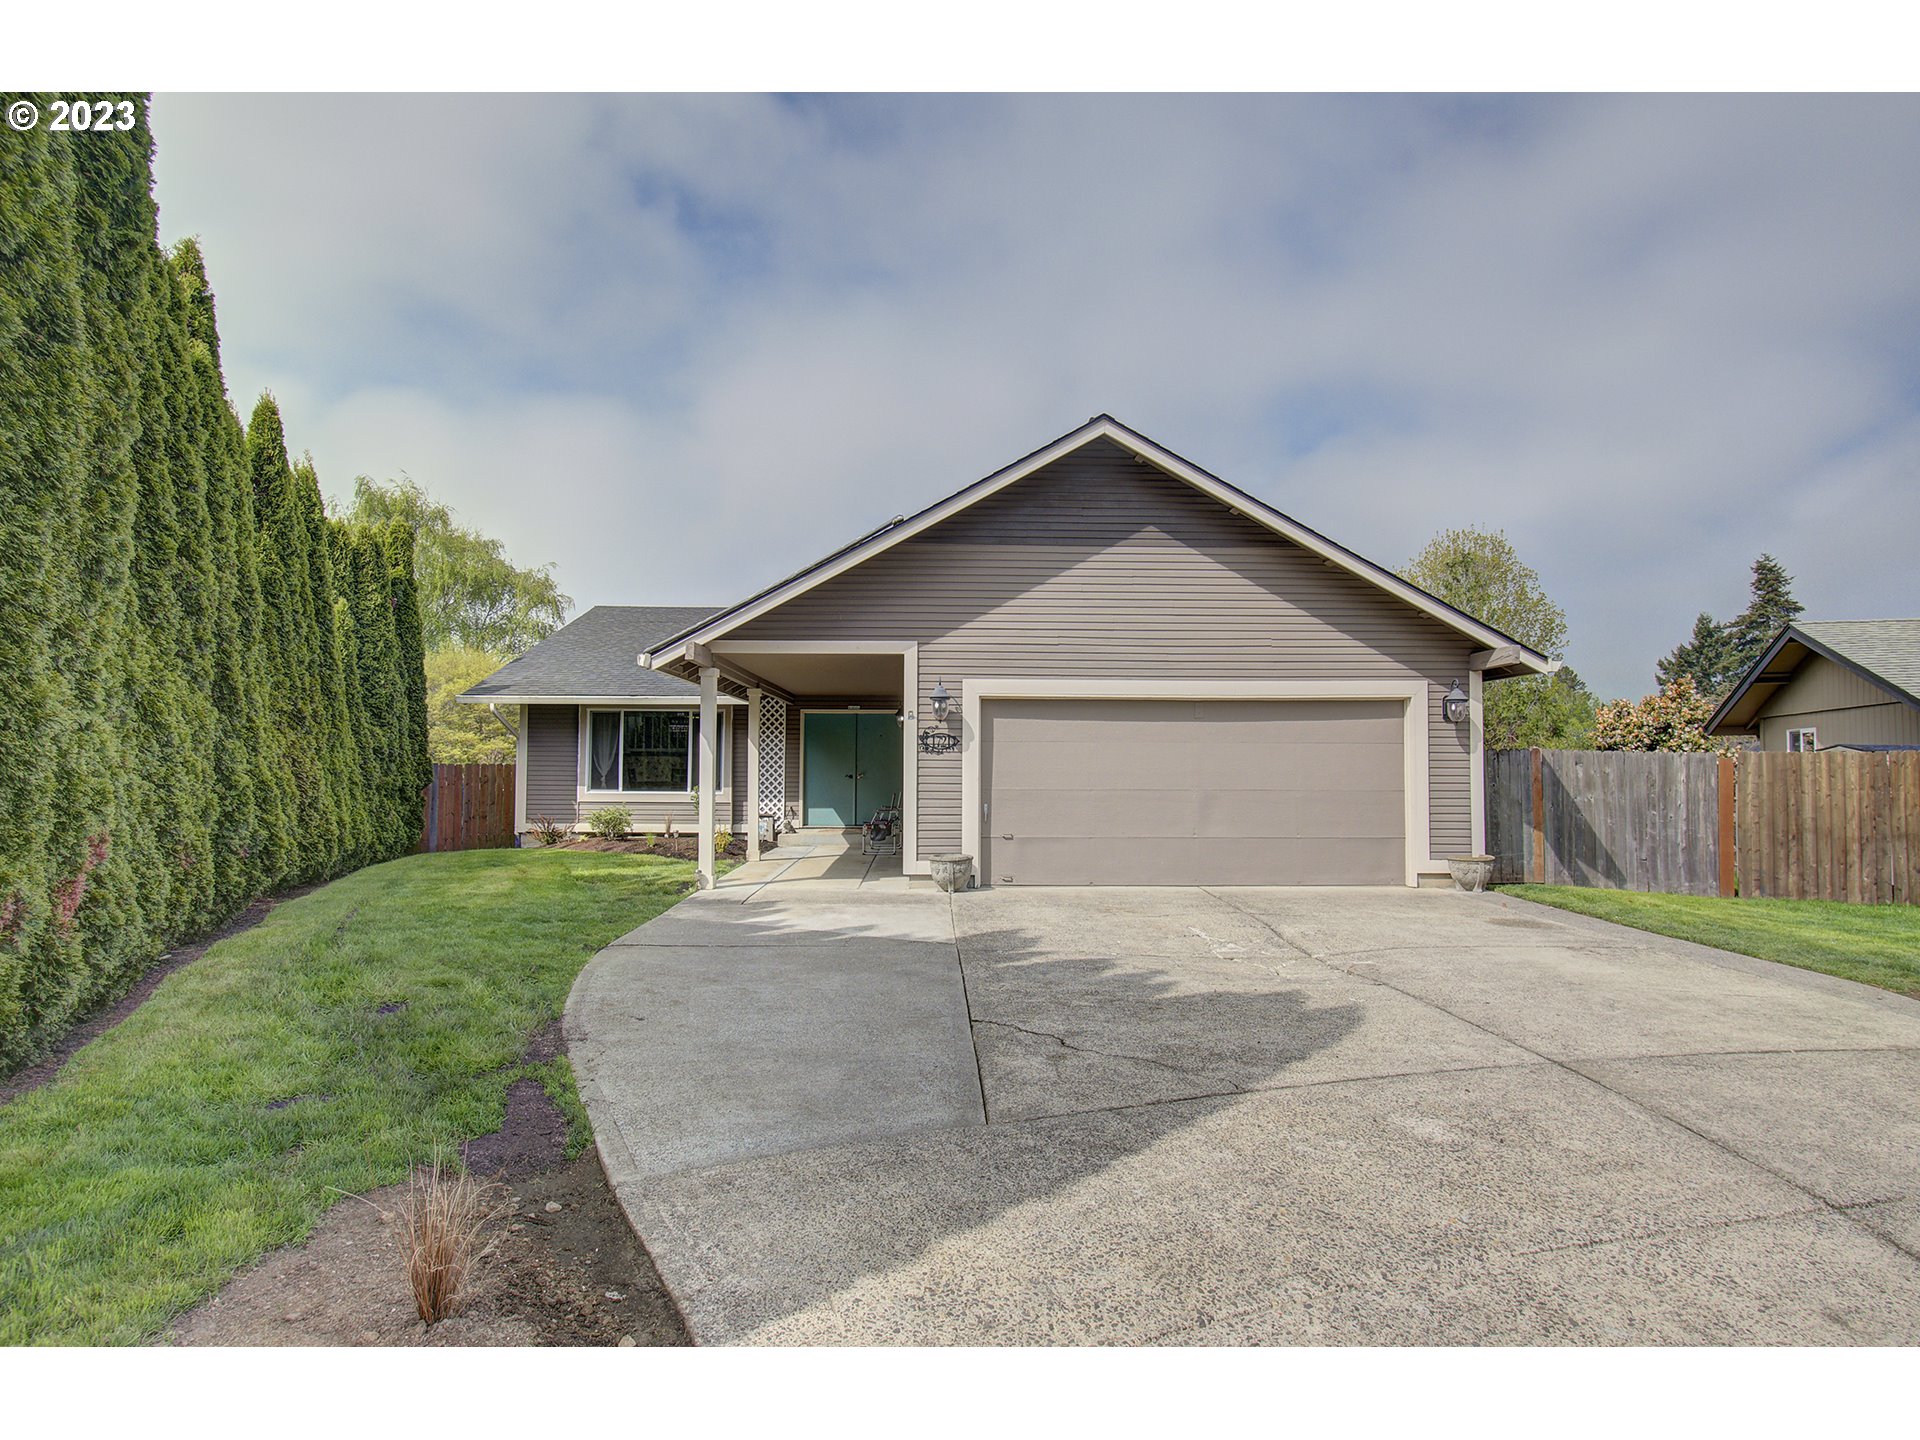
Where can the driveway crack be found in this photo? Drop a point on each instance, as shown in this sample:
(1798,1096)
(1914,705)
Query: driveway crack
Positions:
(1065,1043)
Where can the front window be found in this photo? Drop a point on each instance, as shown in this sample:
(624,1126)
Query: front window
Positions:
(648,751)
(1808,739)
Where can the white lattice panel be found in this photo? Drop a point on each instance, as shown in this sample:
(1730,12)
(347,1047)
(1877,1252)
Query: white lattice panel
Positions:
(773,756)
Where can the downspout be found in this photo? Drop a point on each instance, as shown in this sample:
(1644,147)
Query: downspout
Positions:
(494,710)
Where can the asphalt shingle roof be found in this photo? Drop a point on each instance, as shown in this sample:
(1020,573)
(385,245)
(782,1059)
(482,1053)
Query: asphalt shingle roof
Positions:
(593,656)
(1889,648)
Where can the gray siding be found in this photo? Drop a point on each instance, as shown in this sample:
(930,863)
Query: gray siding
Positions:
(553,775)
(1845,709)
(1101,566)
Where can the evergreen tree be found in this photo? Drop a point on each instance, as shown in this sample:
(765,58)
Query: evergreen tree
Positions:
(414,770)
(45,375)
(296,667)
(188,723)
(336,756)
(254,832)
(1770,609)
(1705,658)
(379,691)
(102,845)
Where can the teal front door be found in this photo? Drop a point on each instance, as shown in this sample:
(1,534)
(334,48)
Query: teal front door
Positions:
(851,766)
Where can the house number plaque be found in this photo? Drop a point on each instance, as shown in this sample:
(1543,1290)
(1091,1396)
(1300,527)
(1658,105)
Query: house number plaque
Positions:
(938,742)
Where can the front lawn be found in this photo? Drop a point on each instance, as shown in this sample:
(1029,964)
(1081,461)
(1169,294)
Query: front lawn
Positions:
(329,1049)
(1875,944)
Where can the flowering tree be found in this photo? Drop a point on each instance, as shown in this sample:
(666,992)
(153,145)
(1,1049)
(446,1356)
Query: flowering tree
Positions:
(1674,719)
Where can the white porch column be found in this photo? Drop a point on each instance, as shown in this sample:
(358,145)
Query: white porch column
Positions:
(708,771)
(753,773)
(1477,762)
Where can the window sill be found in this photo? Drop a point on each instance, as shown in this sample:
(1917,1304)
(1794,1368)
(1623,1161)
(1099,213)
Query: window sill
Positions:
(642,794)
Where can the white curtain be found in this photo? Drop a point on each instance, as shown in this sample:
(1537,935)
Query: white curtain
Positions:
(606,752)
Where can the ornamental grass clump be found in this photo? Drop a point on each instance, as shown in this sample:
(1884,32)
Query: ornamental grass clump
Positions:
(446,1213)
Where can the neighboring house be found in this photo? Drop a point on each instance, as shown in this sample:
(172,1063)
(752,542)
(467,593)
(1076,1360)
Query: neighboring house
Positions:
(1830,684)
(1100,665)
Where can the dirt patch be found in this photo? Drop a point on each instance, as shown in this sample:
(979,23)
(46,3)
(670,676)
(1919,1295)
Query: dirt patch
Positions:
(533,1136)
(560,1266)
(32,1077)
(544,1277)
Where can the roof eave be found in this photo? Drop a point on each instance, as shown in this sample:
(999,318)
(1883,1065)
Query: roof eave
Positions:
(1733,715)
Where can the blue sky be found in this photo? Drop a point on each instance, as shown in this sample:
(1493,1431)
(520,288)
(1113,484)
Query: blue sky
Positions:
(683,345)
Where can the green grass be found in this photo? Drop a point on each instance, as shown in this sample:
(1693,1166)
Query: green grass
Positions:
(137,1182)
(1874,944)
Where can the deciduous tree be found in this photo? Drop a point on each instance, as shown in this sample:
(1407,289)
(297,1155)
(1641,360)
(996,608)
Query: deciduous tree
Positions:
(471,594)
(1481,572)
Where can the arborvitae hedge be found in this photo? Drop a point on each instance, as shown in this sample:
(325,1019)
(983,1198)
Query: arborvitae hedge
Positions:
(213,691)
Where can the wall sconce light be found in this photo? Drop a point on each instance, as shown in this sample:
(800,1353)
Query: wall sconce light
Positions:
(1456,706)
(941,700)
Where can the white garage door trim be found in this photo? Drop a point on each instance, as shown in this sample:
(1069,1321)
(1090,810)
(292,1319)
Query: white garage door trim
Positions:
(1412,694)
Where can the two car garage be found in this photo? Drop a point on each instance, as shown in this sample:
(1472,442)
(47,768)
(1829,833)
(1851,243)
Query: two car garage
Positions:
(1148,791)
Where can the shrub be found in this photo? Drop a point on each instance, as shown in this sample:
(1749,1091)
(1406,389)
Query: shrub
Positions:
(611,823)
(550,830)
(721,840)
(1674,719)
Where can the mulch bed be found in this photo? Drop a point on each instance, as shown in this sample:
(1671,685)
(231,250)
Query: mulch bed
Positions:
(559,1265)
(677,847)
(32,1077)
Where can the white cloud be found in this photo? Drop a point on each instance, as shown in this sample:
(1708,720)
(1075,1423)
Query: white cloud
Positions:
(683,345)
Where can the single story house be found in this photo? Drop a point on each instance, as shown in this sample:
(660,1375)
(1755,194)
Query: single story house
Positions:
(1099,665)
(1830,684)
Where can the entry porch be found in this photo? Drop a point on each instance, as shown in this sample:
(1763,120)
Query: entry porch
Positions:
(830,744)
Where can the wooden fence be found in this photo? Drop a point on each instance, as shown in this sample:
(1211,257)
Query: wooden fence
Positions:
(468,807)
(1614,819)
(1831,825)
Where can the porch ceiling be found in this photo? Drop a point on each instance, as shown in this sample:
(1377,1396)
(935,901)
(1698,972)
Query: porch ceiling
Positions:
(802,675)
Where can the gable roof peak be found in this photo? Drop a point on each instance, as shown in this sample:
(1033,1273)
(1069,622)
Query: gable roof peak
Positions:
(1522,658)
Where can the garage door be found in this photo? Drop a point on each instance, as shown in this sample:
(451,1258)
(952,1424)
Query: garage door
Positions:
(1165,792)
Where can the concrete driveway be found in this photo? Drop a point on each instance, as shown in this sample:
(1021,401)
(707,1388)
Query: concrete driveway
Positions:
(1247,1116)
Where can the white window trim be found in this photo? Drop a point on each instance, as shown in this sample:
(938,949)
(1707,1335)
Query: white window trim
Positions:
(583,735)
(1808,736)
(1415,777)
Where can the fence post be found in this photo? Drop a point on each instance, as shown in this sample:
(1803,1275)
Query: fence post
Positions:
(1539,875)
(1728,873)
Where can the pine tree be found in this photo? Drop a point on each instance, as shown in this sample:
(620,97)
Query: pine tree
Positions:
(1771,608)
(1705,658)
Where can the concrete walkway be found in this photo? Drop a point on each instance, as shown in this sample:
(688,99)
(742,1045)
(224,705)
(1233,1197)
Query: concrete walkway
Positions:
(818,860)
(1247,1116)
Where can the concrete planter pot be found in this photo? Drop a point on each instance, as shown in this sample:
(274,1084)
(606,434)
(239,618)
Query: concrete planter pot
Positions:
(953,872)
(1471,872)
